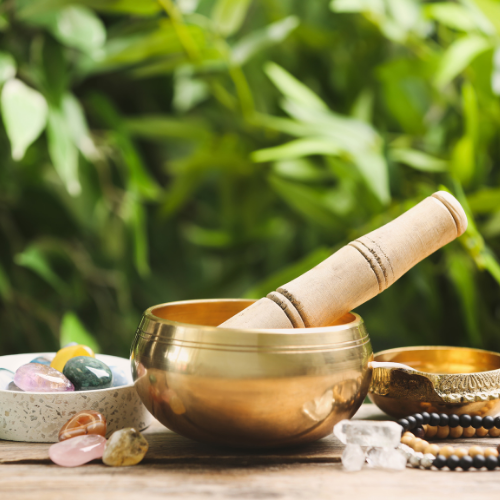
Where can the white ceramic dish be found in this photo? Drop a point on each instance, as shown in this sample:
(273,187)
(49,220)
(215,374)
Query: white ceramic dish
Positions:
(37,417)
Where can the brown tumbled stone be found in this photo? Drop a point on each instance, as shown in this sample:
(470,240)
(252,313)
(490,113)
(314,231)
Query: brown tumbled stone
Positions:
(84,422)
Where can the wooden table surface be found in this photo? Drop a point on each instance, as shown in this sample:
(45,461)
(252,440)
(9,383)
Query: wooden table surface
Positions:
(176,467)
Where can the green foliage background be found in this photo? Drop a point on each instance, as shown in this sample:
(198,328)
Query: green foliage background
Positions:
(158,151)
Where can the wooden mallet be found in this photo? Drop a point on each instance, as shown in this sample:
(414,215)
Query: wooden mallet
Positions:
(360,270)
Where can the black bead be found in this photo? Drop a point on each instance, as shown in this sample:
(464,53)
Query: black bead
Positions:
(439,461)
(419,419)
(443,419)
(497,422)
(491,462)
(426,416)
(454,421)
(465,421)
(476,421)
(453,462)
(412,422)
(488,422)
(404,423)
(418,432)
(434,420)
(479,461)
(466,462)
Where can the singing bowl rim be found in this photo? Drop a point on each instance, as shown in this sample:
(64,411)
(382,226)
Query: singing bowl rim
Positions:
(149,313)
(446,388)
(161,329)
(440,348)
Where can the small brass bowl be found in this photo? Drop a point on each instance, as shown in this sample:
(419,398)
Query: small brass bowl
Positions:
(436,379)
(247,388)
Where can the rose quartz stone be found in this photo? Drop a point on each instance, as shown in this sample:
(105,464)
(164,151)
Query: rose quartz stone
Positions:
(78,450)
(41,378)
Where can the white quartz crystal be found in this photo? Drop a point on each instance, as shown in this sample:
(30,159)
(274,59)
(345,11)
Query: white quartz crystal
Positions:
(369,433)
(386,458)
(427,460)
(353,457)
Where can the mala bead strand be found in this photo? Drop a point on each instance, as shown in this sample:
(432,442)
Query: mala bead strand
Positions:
(421,453)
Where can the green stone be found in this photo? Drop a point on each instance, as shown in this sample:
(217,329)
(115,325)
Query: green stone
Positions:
(88,373)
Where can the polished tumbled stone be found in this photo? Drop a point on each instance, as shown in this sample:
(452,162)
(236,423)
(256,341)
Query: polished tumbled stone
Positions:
(368,433)
(88,374)
(35,377)
(43,360)
(84,422)
(125,447)
(71,351)
(120,377)
(386,458)
(78,450)
(353,457)
(6,377)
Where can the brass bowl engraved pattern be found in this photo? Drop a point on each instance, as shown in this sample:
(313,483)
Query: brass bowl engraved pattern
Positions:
(442,379)
(248,388)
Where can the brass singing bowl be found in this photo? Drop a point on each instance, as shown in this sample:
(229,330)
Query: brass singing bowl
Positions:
(248,388)
(436,379)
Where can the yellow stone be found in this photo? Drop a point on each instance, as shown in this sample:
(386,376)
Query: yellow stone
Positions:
(481,432)
(125,447)
(66,353)
(491,452)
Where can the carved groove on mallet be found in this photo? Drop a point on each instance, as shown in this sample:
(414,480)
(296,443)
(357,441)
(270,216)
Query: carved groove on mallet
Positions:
(374,262)
(288,308)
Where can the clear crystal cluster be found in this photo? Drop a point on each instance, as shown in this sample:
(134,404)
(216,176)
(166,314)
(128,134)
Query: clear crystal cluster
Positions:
(382,440)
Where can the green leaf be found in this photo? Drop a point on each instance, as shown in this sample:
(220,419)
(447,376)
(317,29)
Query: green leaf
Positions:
(188,92)
(352,6)
(5,286)
(299,170)
(228,15)
(373,167)
(32,258)
(62,150)
(450,14)
(79,27)
(134,214)
(296,149)
(293,88)
(24,113)
(162,127)
(491,10)
(458,56)
(289,273)
(485,200)
(310,202)
(72,330)
(462,160)
(471,112)
(29,9)
(418,160)
(461,275)
(7,67)
(261,39)
(77,126)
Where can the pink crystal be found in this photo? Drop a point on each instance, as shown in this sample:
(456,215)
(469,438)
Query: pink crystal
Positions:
(78,450)
(36,377)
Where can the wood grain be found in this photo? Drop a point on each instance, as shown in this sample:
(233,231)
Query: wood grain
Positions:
(182,469)
(360,270)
